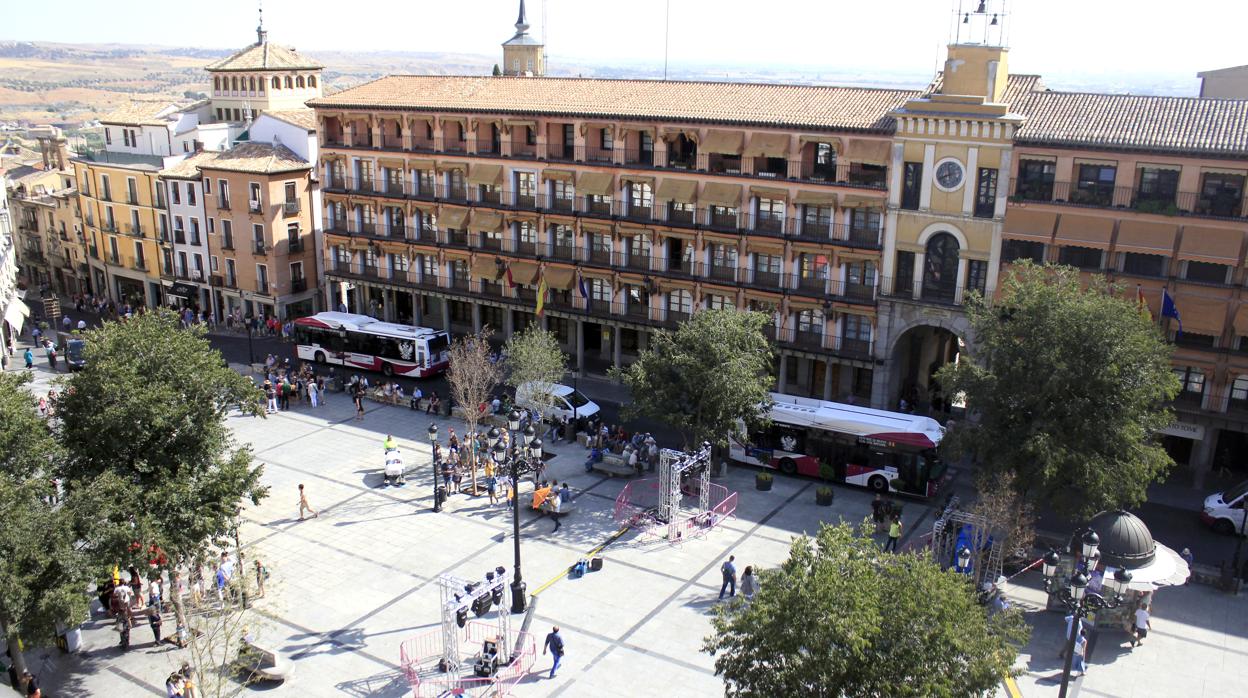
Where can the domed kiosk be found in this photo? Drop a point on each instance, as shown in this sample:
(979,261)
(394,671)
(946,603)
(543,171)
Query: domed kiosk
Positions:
(1125,540)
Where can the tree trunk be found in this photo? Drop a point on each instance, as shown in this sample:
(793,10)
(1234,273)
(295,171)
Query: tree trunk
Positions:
(470,445)
(15,651)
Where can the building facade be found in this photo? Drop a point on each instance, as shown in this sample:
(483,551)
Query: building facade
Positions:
(262,77)
(11,304)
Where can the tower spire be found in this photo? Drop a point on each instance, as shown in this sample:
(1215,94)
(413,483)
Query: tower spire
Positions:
(262,37)
(522,22)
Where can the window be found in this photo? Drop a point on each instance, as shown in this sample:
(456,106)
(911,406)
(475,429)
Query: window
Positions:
(680,302)
(1081,258)
(564,191)
(262,278)
(526,189)
(860,274)
(1014,250)
(810,322)
(296,268)
(182,267)
(398,263)
(640,198)
(227,234)
(1035,180)
(1095,185)
(288,83)
(190,193)
(940,268)
(254,202)
(223,194)
(865,220)
(212,264)
(680,212)
(1139,264)
(1206,272)
(212,226)
(718,302)
(174,193)
(767,268)
(257,237)
(1157,187)
(132,191)
(139,262)
(911,185)
(429,266)
(277,83)
(724,255)
(856,327)
(976,275)
(600,290)
(231,274)
(770,215)
(299,82)
(1191,380)
(608,140)
(311,81)
(825,162)
(986,193)
(194,231)
(1221,195)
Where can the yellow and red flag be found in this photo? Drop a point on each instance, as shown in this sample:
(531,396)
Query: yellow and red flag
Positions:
(541,295)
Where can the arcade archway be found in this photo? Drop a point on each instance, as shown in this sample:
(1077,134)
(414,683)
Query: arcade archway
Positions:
(918,354)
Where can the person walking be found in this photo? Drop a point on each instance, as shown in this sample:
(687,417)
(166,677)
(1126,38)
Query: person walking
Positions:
(312,394)
(749,587)
(729,572)
(894,534)
(51,350)
(1079,666)
(270,398)
(878,506)
(303,504)
(153,618)
(556,501)
(554,643)
(29,356)
(262,573)
(357,394)
(123,628)
(1143,623)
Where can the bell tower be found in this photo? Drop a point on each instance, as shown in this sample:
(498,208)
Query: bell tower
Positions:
(522,54)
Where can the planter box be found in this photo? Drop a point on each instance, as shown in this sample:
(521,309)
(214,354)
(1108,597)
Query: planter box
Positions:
(824,500)
(761,484)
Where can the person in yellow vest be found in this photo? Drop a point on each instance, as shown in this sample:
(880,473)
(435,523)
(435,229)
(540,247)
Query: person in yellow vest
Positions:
(390,444)
(894,534)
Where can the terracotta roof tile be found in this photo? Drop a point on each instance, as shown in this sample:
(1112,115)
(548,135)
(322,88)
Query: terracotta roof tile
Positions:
(304,118)
(260,158)
(264,56)
(1017,86)
(1217,127)
(799,106)
(188,167)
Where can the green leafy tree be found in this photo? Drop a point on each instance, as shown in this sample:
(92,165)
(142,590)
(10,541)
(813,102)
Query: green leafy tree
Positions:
(534,357)
(147,443)
(705,378)
(840,618)
(42,572)
(1069,383)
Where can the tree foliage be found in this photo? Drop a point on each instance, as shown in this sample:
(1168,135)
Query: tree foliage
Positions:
(1069,383)
(534,356)
(471,378)
(147,443)
(840,618)
(42,572)
(702,378)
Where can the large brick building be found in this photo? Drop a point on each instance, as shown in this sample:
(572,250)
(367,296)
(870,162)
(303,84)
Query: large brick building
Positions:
(859,218)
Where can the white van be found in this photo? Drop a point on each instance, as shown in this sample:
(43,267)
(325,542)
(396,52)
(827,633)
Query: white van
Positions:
(1224,511)
(568,402)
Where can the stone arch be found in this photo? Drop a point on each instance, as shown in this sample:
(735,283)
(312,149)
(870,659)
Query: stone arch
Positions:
(288,83)
(299,82)
(935,228)
(311,81)
(919,348)
(277,83)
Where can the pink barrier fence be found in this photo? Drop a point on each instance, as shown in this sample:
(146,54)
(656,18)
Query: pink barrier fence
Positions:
(638,503)
(419,658)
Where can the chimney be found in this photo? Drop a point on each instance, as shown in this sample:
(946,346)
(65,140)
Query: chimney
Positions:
(62,153)
(45,150)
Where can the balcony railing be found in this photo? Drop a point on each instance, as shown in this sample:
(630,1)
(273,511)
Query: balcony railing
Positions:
(932,293)
(291,207)
(298,285)
(294,245)
(1142,200)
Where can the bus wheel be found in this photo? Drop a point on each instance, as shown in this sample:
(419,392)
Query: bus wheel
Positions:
(387,370)
(787,466)
(320,357)
(1224,527)
(878,484)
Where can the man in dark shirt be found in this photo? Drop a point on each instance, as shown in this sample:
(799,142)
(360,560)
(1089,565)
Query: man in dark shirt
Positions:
(729,572)
(554,643)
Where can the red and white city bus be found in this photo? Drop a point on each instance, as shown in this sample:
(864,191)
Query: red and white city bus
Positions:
(885,451)
(360,341)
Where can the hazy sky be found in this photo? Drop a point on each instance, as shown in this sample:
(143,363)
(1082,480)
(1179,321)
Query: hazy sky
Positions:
(1057,37)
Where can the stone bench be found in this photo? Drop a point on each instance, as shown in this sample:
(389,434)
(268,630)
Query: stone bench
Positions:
(613,466)
(565,508)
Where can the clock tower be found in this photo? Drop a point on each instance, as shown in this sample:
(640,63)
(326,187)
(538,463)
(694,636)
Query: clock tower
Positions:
(947,195)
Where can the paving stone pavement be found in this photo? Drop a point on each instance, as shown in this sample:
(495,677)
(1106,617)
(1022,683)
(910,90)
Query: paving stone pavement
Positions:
(350,585)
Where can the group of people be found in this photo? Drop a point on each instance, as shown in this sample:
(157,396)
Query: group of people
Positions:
(886,515)
(181,683)
(728,572)
(282,385)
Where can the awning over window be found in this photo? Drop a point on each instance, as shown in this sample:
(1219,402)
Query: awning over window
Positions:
(683,191)
(421,164)
(524,273)
(1023,224)
(560,277)
(769,145)
(1201,315)
(484,267)
(723,142)
(1146,238)
(558,175)
(1215,245)
(595,183)
(490,175)
(445,166)
(815,198)
(1085,231)
(638,179)
(392,163)
(850,201)
(452,218)
(1158,166)
(716,194)
(486,221)
(1241,321)
(522,124)
(770,193)
(16,315)
(772,247)
(869,151)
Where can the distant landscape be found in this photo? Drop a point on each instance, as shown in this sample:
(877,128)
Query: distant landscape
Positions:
(43,82)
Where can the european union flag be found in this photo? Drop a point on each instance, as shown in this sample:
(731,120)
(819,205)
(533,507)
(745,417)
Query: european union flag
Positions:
(1169,309)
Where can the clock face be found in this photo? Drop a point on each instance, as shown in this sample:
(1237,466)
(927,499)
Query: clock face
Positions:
(949,174)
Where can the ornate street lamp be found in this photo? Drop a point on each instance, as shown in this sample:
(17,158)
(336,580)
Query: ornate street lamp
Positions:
(1073,592)
(522,457)
(433,443)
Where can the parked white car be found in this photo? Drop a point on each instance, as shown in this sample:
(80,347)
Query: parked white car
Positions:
(566,401)
(1224,511)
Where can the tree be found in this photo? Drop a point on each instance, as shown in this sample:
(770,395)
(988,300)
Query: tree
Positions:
(44,572)
(472,377)
(534,357)
(702,379)
(1069,383)
(1011,519)
(147,444)
(497,71)
(840,618)
(215,635)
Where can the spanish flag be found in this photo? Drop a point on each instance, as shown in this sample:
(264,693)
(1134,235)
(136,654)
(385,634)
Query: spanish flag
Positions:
(541,295)
(1139,298)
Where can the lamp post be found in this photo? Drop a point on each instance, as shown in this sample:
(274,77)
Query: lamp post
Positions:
(520,457)
(1074,595)
(433,460)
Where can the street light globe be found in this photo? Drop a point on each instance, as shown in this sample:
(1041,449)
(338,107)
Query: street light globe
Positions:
(433,433)
(1121,580)
(535,448)
(528,434)
(499,452)
(493,435)
(1051,561)
(1090,542)
(1078,585)
(513,420)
